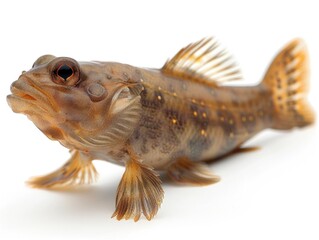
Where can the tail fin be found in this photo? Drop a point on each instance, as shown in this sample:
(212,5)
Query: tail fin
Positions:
(287,79)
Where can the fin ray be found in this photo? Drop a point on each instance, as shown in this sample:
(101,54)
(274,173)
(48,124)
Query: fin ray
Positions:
(203,61)
(139,192)
(194,173)
(76,171)
(287,79)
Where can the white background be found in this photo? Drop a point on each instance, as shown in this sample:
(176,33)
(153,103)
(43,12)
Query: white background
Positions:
(267,194)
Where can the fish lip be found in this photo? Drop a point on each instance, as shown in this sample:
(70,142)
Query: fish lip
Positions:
(20,93)
(10,99)
(14,103)
(25,90)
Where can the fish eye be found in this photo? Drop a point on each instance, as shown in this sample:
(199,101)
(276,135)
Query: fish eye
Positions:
(65,71)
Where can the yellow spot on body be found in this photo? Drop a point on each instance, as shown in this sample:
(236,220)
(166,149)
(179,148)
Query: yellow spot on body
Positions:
(159,88)
(231,121)
(251,118)
(203,132)
(195,113)
(202,103)
(174,121)
(193,100)
(175,94)
(204,115)
(159,97)
(222,119)
(231,135)
(244,119)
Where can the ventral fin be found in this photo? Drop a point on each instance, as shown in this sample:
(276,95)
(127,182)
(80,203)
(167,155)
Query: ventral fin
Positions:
(185,171)
(203,61)
(245,149)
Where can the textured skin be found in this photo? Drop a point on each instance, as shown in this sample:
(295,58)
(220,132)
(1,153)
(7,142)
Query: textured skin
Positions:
(183,118)
(178,118)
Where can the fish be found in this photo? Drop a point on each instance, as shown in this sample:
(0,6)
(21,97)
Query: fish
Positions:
(170,121)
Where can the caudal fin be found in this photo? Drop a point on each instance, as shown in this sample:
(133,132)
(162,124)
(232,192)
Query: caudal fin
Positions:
(287,79)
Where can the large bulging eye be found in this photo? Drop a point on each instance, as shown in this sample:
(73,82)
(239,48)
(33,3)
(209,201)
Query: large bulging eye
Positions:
(65,71)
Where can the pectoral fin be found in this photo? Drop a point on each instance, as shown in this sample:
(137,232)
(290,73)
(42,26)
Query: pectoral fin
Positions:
(194,173)
(139,192)
(77,171)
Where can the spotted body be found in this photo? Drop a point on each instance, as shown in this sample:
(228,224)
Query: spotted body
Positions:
(189,119)
(172,119)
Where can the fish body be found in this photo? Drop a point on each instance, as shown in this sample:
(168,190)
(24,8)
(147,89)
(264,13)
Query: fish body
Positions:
(172,119)
(184,118)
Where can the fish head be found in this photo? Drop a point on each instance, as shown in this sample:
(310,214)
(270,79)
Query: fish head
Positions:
(66,99)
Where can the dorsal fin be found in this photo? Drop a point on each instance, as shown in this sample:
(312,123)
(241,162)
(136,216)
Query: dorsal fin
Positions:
(203,61)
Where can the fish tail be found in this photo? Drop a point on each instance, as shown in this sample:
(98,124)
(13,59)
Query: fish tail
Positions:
(287,80)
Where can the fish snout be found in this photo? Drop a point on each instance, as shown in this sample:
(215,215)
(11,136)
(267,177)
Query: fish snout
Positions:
(20,88)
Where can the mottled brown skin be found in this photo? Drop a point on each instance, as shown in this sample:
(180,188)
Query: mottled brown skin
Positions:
(172,119)
(178,118)
(188,119)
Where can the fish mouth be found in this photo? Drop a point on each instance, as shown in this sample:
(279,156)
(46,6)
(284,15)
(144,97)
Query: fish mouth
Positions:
(20,93)
(27,97)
